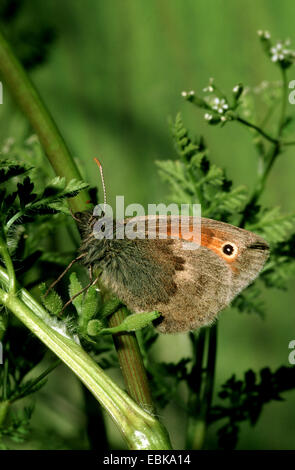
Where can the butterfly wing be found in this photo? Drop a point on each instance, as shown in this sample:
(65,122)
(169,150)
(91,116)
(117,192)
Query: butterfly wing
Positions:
(152,269)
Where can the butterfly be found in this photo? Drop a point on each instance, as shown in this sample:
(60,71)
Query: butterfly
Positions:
(188,287)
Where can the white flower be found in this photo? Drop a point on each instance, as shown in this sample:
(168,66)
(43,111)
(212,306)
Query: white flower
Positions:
(208,116)
(263,34)
(220,105)
(191,93)
(277,52)
(236,89)
(280,52)
(184,93)
(209,88)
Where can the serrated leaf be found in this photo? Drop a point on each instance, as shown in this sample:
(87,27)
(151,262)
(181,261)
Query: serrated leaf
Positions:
(214,177)
(11,168)
(90,304)
(52,301)
(57,190)
(75,287)
(25,192)
(273,225)
(249,301)
(278,272)
(229,201)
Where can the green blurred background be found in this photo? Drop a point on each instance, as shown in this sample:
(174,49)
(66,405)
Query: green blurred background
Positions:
(113,76)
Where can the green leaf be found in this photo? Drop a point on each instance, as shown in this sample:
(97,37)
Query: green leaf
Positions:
(75,287)
(230,202)
(25,192)
(133,322)
(249,301)
(11,168)
(90,304)
(278,272)
(273,225)
(52,301)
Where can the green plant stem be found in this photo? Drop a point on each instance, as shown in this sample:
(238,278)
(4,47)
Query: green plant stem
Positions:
(195,383)
(30,102)
(9,266)
(270,160)
(131,363)
(284,103)
(5,380)
(209,377)
(140,429)
(4,407)
(258,129)
(203,390)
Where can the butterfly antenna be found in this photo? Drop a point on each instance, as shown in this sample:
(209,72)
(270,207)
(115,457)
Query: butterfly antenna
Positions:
(102,182)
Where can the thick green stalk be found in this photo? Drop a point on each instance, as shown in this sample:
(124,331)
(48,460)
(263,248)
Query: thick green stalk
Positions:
(131,363)
(29,100)
(140,429)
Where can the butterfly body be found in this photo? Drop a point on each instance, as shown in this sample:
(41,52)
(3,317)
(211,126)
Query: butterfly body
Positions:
(188,287)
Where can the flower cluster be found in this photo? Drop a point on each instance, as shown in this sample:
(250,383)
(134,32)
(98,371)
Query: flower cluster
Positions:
(218,108)
(279,53)
(216,104)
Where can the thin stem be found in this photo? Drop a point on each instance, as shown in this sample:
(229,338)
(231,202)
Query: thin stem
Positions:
(195,384)
(131,363)
(258,129)
(284,103)
(9,265)
(5,380)
(202,391)
(210,371)
(13,219)
(140,429)
(4,407)
(29,100)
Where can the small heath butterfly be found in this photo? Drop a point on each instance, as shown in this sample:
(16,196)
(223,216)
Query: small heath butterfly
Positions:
(188,287)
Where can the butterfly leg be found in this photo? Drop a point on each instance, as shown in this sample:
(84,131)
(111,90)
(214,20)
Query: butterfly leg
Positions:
(78,293)
(63,273)
(90,271)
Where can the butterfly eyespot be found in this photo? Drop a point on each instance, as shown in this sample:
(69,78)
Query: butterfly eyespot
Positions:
(229,249)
